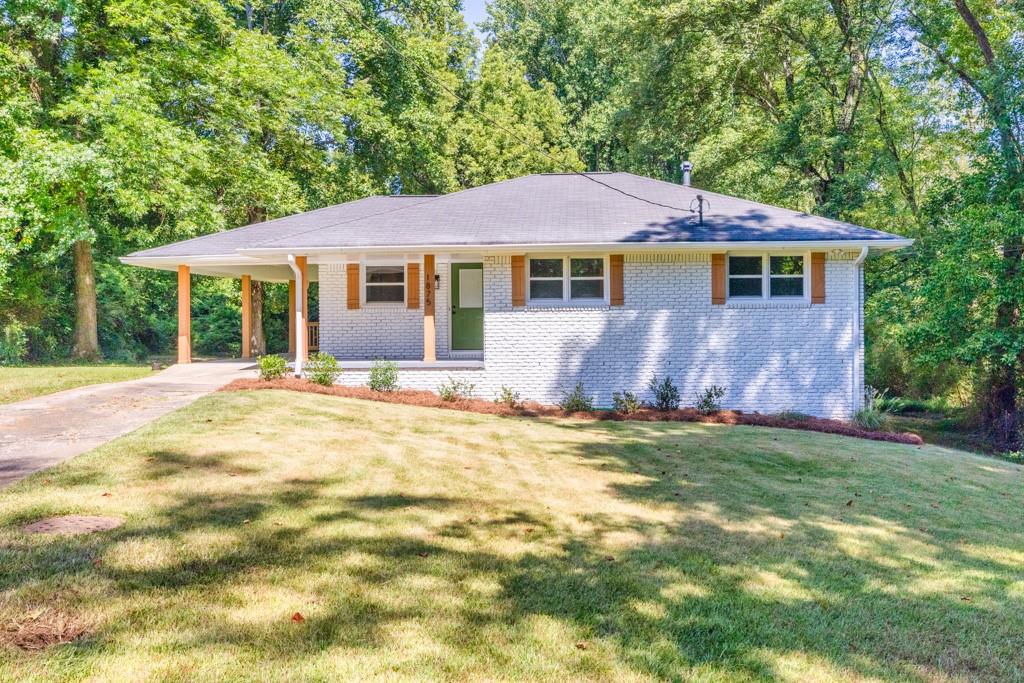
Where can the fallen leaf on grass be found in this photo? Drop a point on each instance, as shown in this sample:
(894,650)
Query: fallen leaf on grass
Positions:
(298,618)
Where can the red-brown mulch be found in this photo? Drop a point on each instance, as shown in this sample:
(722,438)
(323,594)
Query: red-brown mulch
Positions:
(429,399)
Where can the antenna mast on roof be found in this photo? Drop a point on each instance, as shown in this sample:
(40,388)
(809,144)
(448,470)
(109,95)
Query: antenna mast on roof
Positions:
(700,202)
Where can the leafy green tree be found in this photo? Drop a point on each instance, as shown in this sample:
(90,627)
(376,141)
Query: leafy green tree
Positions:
(508,128)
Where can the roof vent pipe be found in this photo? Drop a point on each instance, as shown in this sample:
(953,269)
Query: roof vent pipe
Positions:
(687,166)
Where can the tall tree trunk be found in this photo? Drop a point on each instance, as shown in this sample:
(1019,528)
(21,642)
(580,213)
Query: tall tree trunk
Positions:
(258,341)
(257,214)
(86,337)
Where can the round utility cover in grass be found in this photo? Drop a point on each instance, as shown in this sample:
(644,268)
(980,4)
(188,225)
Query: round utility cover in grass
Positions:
(71,525)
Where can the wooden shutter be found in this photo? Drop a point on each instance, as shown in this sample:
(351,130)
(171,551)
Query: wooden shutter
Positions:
(615,291)
(718,279)
(818,277)
(518,280)
(352,285)
(412,285)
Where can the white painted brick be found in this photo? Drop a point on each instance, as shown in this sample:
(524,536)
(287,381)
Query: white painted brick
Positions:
(782,357)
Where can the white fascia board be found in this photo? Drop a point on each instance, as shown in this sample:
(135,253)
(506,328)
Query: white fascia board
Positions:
(210,260)
(713,247)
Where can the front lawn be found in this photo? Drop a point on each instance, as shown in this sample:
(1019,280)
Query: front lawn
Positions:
(21,382)
(286,536)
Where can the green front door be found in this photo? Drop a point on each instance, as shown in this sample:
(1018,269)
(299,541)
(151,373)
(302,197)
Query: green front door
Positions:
(467,307)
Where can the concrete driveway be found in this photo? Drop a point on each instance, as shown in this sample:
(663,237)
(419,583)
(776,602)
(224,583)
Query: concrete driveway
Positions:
(41,432)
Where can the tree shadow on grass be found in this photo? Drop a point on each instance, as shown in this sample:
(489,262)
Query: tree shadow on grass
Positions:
(722,583)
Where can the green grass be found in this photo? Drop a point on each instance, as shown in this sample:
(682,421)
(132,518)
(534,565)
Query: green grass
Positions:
(21,382)
(424,544)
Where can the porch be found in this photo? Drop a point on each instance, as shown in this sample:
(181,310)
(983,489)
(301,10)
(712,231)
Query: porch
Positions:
(353,326)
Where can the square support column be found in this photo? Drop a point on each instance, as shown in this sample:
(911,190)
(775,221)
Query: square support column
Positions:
(302,312)
(246,316)
(291,317)
(429,303)
(184,315)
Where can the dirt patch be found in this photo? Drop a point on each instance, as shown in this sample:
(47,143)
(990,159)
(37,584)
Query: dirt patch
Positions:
(41,629)
(531,409)
(72,525)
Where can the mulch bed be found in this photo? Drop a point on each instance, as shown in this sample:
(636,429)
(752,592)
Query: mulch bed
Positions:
(531,409)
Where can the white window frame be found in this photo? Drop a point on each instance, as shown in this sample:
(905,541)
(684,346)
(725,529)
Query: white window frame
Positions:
(363,273)
(766,277)
(567,279)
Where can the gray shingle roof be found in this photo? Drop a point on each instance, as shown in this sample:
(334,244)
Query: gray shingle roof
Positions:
(545,209)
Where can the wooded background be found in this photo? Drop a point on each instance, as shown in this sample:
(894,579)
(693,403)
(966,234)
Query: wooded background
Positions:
(128,123)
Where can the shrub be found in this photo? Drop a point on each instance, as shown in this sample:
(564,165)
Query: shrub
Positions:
(626,403)
(272,367)
(871,420)
(13,343)
(794,415)
(710,401)
(577,400)
(322,369)
(384,375)
(874,415)
(508,397)
(666,395)
(454,389)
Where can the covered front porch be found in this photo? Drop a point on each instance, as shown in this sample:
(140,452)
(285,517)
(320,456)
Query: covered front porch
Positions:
(364,303)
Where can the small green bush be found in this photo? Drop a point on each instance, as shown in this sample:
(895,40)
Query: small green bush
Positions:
(13,343)
(666,395)
(384,375)
(454,389)
(577,400)
(508,397)
(709,401)
(322,369)
(272,367)
(626,403)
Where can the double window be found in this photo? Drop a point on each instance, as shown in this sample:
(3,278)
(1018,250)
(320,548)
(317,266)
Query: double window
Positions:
(384,284)
(567,279)
(766,277)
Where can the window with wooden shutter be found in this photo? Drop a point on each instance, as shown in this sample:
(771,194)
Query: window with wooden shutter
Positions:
(818,277)
(412,289)
(718,279)
(616,293)
(352,285)
(518,280)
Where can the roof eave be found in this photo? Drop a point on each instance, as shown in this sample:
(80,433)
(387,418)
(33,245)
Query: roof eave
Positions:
(875,245)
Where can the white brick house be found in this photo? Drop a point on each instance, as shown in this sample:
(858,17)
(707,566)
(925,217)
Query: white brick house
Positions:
(599,279)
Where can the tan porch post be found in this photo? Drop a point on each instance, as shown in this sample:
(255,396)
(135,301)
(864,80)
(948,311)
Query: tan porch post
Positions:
(246,316)
(291,316)
(184,315)
(429,329)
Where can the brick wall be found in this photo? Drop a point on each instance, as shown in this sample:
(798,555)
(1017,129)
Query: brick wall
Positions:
(769,357)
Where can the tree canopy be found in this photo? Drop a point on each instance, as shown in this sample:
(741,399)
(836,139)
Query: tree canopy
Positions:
(125,124)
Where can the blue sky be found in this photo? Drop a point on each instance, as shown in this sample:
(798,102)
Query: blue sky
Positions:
(475,11)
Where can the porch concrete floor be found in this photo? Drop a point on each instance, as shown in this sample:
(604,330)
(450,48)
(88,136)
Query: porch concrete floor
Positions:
(41,432)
